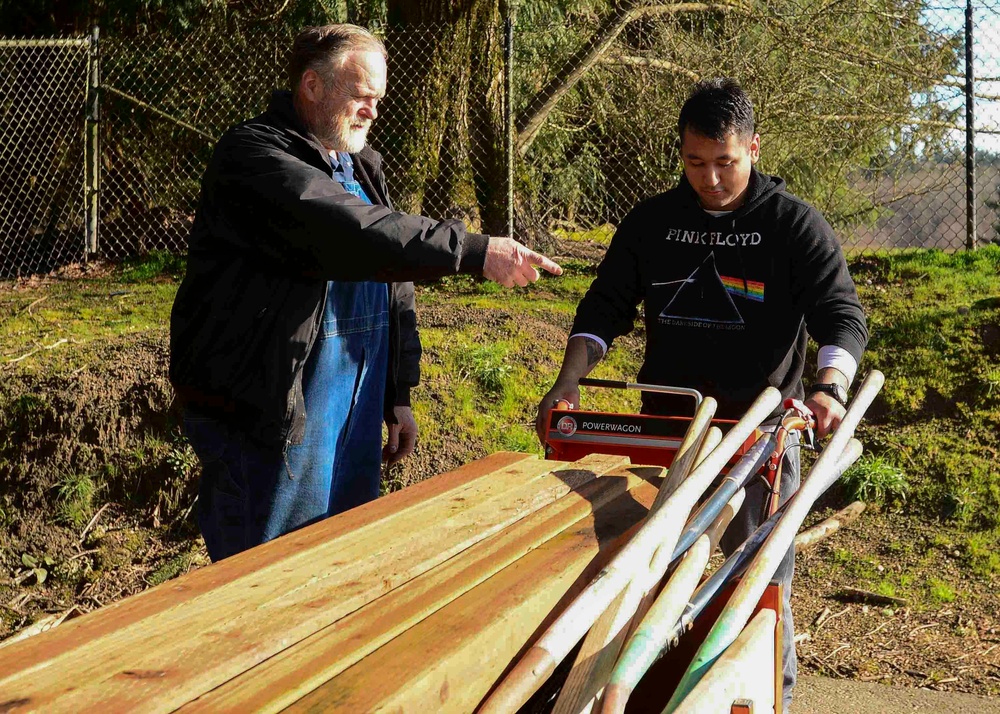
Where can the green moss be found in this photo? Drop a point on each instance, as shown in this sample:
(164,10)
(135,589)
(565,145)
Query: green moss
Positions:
(886,588)
(982,553)
(940,592)
(170,569)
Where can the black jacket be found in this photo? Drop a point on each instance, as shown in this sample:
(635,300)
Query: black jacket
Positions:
(271,228)
(728,299)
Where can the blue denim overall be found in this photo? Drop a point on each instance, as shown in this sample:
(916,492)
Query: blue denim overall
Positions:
(249,495)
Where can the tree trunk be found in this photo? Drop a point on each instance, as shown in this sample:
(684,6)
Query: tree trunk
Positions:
(443,129)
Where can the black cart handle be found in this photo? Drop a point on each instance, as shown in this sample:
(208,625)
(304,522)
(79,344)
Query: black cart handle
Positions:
(657,388)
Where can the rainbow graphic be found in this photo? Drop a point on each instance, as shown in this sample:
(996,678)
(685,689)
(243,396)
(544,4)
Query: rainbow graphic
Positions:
(734,286)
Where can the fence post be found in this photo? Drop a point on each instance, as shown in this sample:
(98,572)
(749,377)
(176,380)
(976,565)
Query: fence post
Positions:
(970,132)
(91,155)
(508,110)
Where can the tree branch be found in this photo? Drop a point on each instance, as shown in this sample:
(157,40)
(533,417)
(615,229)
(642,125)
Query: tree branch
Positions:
(904,119)
(674,8)
(651,63)
(877,203)
(539,108)
(808,538)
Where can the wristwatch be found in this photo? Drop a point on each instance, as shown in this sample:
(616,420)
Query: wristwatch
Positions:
(831,388)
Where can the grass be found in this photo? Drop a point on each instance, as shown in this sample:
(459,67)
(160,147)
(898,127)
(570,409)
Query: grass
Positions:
(932,439)
(488,365)
(875,479)
(42,322)
(935,324)
(157,265)
(75,499)
(600,234)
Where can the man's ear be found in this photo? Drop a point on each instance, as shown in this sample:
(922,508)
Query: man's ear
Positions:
(311,86)
(755,149)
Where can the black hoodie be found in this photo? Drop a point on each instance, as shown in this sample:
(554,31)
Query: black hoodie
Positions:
(728,299)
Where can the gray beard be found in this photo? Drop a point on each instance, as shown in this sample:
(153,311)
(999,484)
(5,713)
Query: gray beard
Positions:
(348,141)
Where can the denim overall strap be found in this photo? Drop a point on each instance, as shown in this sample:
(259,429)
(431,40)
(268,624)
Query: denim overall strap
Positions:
(343,171)
(338,464)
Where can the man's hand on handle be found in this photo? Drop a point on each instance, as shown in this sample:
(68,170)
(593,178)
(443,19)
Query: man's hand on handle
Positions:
(569,392)
(509,263)
(828,412)
(583,353)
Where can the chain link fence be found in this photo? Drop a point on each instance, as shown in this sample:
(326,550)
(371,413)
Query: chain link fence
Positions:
(43,92)
(861,106)
(165,102)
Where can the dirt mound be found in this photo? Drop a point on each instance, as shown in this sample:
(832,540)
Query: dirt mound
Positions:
(105,420)
(97,487)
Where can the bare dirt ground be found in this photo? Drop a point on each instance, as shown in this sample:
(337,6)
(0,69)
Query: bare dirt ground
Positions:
(820,695)
(944,646)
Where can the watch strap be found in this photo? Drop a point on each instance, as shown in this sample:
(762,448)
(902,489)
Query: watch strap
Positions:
(834,390)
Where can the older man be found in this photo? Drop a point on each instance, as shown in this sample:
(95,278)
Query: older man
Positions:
(294,333)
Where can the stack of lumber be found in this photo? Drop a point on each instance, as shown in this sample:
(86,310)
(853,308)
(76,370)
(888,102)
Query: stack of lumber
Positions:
(417,602)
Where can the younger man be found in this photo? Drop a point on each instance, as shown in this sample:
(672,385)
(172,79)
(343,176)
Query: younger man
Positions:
(733,272)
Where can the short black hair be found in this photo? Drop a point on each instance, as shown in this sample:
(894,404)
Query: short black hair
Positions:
(716,108)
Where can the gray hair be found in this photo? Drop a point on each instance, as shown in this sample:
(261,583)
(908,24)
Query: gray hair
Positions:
(320,48)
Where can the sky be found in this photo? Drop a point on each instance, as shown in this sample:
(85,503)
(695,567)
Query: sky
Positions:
(949,16)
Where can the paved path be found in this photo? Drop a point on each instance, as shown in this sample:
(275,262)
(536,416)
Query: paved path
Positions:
(821,695)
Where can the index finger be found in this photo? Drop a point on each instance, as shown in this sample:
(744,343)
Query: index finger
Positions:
(545,263)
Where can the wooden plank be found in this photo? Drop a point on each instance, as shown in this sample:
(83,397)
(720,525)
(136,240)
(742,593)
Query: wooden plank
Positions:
(744,671)
(174,656)
(449,661)
(176,592)
(293,673)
